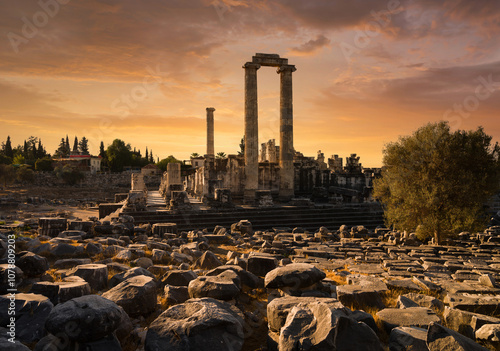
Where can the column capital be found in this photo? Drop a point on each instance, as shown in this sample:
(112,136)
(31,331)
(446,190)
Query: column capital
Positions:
(210,109)
(251,65)
(284,68)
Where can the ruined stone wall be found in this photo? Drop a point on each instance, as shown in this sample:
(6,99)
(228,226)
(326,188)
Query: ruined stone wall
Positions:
(102,180)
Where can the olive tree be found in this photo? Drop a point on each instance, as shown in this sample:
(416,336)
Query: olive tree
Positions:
(437,181)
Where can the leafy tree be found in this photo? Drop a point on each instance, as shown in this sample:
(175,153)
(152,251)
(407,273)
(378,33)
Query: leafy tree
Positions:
(62,150)
(163,163)
(195,154)
(221,155)
(7,174)
(44,164)
(40,152)
(8,148)
(83,146)
(25,174)
(70,175)
(19,160)
(26,150)
(436,181)
(75,145)
(119,155)
(5,160)
(104,156)
(242,147)
(67,145)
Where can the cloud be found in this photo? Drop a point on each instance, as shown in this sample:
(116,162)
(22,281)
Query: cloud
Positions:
(311,47)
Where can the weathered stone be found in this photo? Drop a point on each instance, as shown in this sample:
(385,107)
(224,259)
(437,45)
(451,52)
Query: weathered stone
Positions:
(176,294)
(199,324)
(71,262)
(71,288)
(64,250)
(225,286)
(405,302)
(84,319)
(425,300)
(407,317)
(136,295)
(32,265)
(485,279)
(295,275)
(144,262)
(208,261)
(47,289)
(132,272)
(440,338)
(260,264)
(31,312)
(463,321)
(483,304)
(353,335)
(408,338)
(426,285)
(359,297)
(278,309)
(94,274)
(5,344)
(490,335)
(178,277)
(248,279)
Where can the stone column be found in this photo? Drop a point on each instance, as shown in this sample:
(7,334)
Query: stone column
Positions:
(210,131)
(286,132)
(251,132)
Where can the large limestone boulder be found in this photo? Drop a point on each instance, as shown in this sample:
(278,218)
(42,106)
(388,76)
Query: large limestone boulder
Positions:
(133,272)
(440,338)
(295,276)
(407,317)
(225,286)
(136,295)
(408,338)
(31,312)
(199,324)
(318,324)
(94,274)
(248,279)
(489,334)
(208,261)
(32,265)
(178,277)
(83,319)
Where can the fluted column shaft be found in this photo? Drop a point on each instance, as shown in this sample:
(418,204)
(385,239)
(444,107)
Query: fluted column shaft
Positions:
(210,131)
(251,131)
(286,132)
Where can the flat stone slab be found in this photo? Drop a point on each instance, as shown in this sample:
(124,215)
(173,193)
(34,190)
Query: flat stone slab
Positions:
(366,269)
(407,317)
(408,338)
(483,304)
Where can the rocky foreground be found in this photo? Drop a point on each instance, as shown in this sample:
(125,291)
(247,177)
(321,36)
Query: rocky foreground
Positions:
(89,285)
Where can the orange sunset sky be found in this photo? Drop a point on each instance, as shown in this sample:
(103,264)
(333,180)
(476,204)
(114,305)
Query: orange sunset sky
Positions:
(368,71)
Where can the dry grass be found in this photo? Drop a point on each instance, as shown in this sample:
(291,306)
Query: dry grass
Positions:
(338,279)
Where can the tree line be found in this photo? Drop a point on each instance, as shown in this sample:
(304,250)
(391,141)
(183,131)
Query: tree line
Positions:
(20,162)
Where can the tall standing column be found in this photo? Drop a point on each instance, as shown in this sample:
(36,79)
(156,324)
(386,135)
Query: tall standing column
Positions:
(251,132)
(210,131)
(286,132)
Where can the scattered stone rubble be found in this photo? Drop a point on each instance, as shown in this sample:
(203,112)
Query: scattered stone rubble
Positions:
(113,285)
